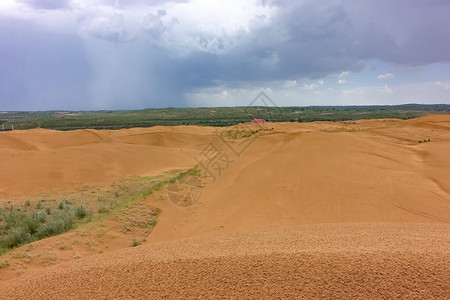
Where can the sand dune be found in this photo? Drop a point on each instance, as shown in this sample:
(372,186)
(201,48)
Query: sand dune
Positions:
(316,210)
(335,261)
(39,160)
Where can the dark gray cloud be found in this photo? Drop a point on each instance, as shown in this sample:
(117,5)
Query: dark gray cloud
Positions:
(108,65)
(128,3)
(41,70)
(404,32)
(48,4)
(316,38)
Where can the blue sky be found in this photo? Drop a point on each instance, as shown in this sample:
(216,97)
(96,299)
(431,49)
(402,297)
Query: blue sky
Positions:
(117,54)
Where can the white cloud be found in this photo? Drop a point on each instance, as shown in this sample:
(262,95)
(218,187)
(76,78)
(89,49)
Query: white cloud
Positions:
(156,25)
(290,83)
(385,76)
(423,92)
(344,74)
(352,91)
(444,85)
(343,77)
(110,28)
(312,86)
(387,90)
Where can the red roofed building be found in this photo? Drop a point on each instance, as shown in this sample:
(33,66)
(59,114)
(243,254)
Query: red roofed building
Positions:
(258,121)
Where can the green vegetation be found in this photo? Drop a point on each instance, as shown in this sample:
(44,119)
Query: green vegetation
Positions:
(64,204)
(425,141)
(136,242)
(17,227)
(19,255)
(48,210)
(207,116)
(102,209)
(239,133)
(81,212)
(20,228)
(4,264)
(26,204)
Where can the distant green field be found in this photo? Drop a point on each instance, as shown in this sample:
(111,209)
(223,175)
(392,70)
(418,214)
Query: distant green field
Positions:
(207,116)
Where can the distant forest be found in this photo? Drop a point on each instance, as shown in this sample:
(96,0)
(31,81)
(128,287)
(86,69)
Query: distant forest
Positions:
(208,116)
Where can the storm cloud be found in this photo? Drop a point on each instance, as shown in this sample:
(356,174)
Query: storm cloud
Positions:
(134,54)
(48,4)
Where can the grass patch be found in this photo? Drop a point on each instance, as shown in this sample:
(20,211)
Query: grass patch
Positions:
(136,242)
(19,255)
(145,193)
(19,228)
(81,212)
(26,204)
(240,133)
(65,204)
(4,264)
(102,209)
(425,141)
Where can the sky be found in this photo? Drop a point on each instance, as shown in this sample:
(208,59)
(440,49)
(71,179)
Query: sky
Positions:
(118,54)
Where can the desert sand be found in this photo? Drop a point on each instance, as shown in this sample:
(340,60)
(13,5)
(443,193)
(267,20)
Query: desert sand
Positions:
(324,210)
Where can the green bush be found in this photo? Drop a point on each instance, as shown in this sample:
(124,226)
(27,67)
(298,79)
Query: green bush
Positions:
(40,216)
(20,228)
(48,210)
(39,204)
(51,228)
(15,237)
(81,212)
(31,225)
(61,221)
(65,204)
(14,219)
(102,209)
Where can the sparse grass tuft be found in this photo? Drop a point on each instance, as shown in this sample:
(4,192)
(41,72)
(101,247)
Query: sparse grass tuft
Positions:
(136,242)
(81,212)
(4,264)
(26,204)
(152,222)
(102,209)
(48,210)
(237,133)
(65,204)
(19,255)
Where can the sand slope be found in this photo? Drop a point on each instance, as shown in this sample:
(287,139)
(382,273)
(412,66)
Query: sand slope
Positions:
(335,261)
(317,210)
(41,160)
